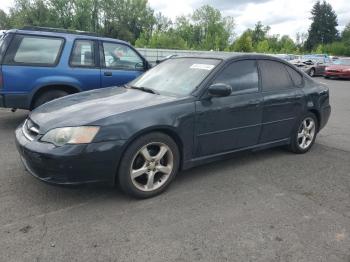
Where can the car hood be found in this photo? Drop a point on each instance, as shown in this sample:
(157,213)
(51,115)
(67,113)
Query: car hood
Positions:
(87,107)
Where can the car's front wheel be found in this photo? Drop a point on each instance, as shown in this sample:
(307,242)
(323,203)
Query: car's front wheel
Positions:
(304,135)
(148,166)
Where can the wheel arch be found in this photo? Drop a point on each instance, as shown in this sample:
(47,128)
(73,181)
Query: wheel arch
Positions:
(318,117)
(160,129)
(71,89)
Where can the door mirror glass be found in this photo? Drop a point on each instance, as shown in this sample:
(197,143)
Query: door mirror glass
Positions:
(220,89)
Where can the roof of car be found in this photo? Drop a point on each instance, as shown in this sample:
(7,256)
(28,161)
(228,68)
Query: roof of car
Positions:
(230,56)
(45,31)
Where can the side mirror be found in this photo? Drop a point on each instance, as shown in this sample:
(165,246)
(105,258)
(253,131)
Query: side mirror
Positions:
(220,89)
(140,66)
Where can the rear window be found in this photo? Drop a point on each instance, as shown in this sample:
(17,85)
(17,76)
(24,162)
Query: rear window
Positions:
(2,45)
(296,77)
(35,50)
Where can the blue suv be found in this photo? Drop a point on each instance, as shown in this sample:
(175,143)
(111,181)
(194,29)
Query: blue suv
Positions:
(38,65)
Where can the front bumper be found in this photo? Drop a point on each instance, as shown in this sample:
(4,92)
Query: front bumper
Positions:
(70,164)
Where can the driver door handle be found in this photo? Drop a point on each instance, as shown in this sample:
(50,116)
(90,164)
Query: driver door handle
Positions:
(107,73)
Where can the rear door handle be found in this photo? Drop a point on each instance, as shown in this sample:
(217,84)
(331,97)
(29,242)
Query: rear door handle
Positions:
(107,73)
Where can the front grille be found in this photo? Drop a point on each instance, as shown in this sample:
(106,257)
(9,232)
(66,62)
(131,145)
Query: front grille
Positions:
(334,71)
(30,129)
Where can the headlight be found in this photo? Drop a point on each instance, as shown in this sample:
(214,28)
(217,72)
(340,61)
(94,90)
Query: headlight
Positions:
(71,135)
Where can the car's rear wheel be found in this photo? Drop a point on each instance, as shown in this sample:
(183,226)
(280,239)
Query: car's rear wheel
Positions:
(304,135)
(48,96)
(148,166)
(312,72)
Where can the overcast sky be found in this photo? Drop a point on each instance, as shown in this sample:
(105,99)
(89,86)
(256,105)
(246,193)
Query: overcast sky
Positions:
(284,16)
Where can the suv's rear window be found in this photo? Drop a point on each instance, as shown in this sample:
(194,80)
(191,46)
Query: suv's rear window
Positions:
(2,46)
(36,50)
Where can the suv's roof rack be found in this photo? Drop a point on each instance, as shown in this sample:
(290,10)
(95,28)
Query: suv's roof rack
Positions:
(59,30)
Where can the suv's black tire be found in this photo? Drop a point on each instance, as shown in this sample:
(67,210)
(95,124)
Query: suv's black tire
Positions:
(294,145)
(133,157)
(48,96)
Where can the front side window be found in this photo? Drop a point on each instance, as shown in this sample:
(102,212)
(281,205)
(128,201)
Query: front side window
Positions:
(274,76)
(242,76)
(37,50)
(83,54)
(176,77)
(118,56)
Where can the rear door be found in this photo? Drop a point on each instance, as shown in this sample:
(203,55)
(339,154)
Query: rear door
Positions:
(283,100)
(120,64)
(84,64)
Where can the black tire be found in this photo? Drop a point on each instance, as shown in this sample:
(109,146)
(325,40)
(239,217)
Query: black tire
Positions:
(127,184)
(294,143)
(312,72)
(48,96)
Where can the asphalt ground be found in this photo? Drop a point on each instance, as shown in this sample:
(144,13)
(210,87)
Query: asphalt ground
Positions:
(265,206)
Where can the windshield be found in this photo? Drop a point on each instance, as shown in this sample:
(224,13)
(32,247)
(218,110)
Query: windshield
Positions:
(342,62)
(176,77)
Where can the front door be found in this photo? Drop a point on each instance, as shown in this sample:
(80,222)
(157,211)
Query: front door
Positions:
(120,65)
(225,124)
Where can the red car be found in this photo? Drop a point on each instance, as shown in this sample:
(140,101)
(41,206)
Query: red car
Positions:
(340,69)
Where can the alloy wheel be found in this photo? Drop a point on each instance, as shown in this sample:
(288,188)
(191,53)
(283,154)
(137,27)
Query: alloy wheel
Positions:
(151,166)
(306,133)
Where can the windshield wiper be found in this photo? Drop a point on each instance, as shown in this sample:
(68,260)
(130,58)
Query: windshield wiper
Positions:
(145,89)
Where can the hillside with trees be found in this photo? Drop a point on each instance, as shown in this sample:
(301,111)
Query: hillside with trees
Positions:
(205,29)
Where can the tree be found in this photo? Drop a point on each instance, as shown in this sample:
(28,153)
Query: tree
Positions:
(4,20)
(168,40)
(162,23)
(287,45)
(263,46)
(214,30)
(323,27)
(259,33)
(346,34)
(243,43)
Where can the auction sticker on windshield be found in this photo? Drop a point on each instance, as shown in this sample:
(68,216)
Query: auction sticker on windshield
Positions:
(202,66)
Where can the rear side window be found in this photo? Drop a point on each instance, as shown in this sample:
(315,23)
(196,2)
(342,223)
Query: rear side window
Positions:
(242,76)
(296,77)
(274,76)
(34,50)
(83,54)
(2,45)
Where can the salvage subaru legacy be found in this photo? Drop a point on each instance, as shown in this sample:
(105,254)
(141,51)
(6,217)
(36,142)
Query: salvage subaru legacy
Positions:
(184,112)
